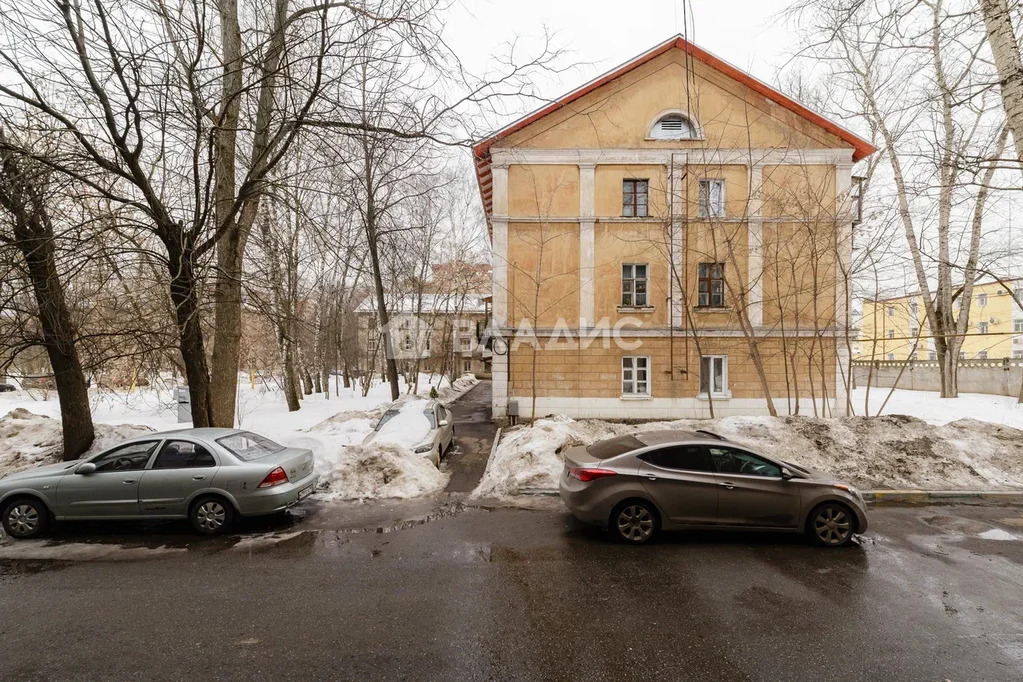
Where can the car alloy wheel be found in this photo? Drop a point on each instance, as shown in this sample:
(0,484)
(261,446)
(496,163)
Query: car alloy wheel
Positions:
(832,525)
(210,516)
(23,520)
(635,523)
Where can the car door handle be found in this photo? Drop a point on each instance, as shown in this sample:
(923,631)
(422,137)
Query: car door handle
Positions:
(727,485)
(199,478)
(651,478)
(128,481)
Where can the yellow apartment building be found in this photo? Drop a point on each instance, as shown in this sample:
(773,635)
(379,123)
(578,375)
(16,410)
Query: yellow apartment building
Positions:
(669,240)
(896,328)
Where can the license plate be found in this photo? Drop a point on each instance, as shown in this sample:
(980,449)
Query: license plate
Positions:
(305,492)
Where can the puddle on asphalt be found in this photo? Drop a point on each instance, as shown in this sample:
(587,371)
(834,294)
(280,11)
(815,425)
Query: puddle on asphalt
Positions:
(956,524)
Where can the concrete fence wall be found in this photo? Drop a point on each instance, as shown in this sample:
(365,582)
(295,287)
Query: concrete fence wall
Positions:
(994,377)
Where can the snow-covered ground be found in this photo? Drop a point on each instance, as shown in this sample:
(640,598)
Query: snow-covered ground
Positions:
(333,428)
(934,409)
(891,451)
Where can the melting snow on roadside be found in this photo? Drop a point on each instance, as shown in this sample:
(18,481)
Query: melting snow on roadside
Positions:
(31,440)
(891,451)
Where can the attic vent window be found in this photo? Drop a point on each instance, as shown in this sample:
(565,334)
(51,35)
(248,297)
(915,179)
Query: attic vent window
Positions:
(673,127)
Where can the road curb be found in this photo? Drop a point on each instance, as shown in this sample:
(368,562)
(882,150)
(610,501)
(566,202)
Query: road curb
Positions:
(493,449)
(910,497)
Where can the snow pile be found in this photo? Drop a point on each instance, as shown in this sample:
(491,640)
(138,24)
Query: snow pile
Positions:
(374,471)
(932,408)
(29,440)
(891,451)
(531,457)
(460,387)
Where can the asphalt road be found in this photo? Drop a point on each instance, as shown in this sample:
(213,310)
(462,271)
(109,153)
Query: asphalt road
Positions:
(453,593)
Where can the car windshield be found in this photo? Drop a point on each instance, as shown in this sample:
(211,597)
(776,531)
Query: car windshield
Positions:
(386,417)
(246,445)
(614,446)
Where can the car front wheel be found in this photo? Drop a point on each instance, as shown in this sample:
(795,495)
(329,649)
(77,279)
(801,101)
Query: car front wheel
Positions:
(25,518)
(212,516)
(634,522)
(831,525)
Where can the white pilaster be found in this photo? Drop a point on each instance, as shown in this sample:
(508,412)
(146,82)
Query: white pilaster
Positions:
(677,170)
(844,245)
(755,256)
(499,225)
(587,245)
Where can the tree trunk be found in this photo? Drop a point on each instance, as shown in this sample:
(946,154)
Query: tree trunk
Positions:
(23,197)
(1005,52)
(184,296)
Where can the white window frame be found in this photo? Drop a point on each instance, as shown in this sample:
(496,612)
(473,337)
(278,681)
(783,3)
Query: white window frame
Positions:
(632,285)
(723,392)
(1017,326)
(891,334)
(982,355)
(982,327)
(891,356)
(890,311)
(705,208)
(981,299)
(633,379)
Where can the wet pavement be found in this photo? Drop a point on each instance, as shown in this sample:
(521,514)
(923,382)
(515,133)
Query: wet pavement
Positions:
(474,434)
(444,591)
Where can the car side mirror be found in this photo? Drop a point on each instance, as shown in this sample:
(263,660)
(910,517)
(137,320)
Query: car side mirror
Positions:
(86,468)
(444,422)
(786,474)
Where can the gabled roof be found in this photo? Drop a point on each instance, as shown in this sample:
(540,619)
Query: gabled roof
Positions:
(481,151)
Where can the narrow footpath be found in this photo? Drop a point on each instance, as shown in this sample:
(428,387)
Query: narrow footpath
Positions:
(474,434)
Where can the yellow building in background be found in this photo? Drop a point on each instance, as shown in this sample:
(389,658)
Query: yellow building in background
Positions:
(896,328)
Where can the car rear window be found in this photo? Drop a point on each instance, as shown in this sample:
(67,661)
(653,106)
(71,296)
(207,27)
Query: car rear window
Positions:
(614,447)
(247,446)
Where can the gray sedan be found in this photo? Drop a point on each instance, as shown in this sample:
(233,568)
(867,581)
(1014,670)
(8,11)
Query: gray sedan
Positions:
(639,484)
(208,476)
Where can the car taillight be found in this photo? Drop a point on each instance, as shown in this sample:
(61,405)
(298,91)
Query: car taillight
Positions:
(275,477)
(587,475)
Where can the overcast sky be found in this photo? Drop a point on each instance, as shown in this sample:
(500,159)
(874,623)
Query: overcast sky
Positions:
(600,34)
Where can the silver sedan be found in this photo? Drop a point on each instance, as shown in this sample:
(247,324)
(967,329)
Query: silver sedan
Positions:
(209,476)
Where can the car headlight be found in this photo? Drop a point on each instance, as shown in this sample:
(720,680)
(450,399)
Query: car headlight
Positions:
(851,490)
(426,447)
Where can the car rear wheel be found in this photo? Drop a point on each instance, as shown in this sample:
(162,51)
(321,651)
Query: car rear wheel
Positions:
(831,524)
(212,516)
(25,518)
(634,522)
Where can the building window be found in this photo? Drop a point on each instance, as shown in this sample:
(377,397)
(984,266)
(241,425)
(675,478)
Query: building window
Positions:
(467,366)
(982,355)
(891,333)
(1017,326)
(1017,354)
(712,198)
(913,331)
(635,375)
(407,343)
(914,308)
(466,343)
(981,299)
(711,285)
(673,127)
(913,356)
(428,337)
(962,355)
(890,311)
(634,198)
(891,356)
(714,375)
(982,327)
(931,355)
(634,285)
